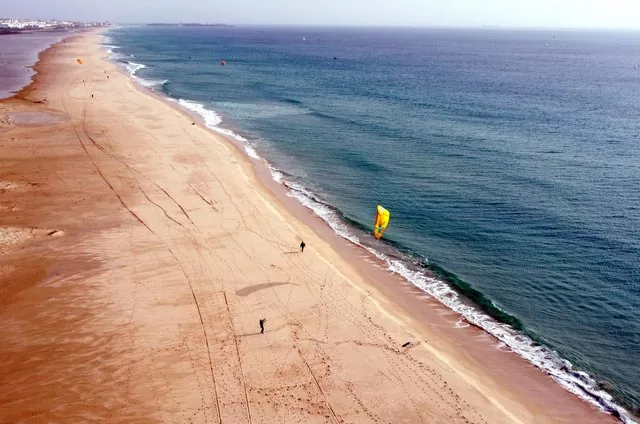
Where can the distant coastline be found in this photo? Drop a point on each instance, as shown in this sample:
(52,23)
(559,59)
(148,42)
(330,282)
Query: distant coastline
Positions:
(160,24)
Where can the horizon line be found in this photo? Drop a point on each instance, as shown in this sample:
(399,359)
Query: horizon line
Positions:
(385,26)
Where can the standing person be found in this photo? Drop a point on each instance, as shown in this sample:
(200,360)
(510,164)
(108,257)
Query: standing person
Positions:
(262,321)
(302,245)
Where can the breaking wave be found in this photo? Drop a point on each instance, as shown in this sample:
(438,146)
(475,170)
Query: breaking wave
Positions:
(134,67)
(454,293)
(212,120)
(473,306)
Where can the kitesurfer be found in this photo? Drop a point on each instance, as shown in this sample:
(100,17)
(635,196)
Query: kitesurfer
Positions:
(302,245)
(262,321)
(382,220)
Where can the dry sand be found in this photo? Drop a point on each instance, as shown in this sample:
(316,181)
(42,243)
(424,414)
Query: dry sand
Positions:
(139,252)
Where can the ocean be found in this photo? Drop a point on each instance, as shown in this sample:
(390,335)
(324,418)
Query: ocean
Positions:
(18,53)
(509,160)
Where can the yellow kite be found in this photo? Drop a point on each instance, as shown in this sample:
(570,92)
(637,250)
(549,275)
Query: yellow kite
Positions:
(79,61)
(382,220)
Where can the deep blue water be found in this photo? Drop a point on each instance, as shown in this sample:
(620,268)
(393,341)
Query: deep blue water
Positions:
(510,162)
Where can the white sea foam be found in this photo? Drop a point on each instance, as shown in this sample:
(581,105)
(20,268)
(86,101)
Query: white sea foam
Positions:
(547,360)
(150,83)
(251,152)
(324,211)
(107,43)
(229,133)
(110,50)
(212,120)
(133,67)
(561,370)
(276,175)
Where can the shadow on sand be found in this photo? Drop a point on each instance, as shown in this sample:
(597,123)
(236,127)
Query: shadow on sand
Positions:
(246,291)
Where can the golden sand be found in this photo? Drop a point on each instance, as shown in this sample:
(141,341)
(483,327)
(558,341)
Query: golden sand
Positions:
(142,252)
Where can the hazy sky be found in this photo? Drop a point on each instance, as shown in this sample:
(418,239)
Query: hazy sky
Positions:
(510,13)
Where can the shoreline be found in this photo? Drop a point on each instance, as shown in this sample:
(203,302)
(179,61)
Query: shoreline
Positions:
(421,317)
(395,285)
(356,252)
(57,36)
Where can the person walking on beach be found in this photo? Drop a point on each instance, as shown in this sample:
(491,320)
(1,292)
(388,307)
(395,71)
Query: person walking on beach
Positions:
(262,321)
(302,245)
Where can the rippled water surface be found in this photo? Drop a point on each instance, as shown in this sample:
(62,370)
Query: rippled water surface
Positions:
(510,162)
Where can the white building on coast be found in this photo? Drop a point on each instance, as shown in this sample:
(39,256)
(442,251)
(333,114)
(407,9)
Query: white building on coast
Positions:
(37,24)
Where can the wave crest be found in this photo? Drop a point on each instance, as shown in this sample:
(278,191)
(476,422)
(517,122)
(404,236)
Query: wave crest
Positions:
(411,269)
(544,358)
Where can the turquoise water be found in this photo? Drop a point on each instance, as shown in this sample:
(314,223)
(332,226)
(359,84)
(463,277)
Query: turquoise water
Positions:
(510,162)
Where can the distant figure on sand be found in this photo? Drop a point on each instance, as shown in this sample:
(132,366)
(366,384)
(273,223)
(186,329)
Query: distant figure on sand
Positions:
(302,245)
(262,321)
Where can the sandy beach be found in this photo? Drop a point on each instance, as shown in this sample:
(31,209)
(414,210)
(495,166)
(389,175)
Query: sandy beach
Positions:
(138,252)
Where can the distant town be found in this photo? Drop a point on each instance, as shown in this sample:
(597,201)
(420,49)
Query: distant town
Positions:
(13,25)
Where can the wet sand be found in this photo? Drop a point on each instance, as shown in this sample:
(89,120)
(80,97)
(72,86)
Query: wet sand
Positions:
(140,251)
(18,53)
